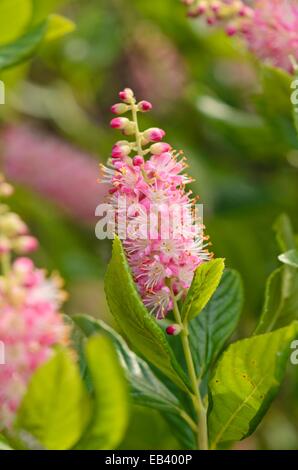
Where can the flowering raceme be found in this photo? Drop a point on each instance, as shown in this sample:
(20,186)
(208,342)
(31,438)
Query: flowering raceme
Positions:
(268,27)
(148,175)
(30,324)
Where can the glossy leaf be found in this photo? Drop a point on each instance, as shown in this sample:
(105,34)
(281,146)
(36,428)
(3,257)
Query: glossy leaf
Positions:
(110,409)
(245,381)
(204,284)
(55,409)
(210,331)
(137,324)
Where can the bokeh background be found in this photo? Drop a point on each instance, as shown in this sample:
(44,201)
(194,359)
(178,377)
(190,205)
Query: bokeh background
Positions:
(207,94)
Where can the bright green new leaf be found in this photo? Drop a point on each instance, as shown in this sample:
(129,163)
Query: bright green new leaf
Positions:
(141,328)
(204,284)
(58,26)
(56,408)
(289,258)
(245,381)
(15,16)
(43,8)
(110,411)
(210,330)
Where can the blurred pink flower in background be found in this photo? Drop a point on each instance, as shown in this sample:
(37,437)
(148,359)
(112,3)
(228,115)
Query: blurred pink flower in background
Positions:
(156,69)
(273,33)
(54,169)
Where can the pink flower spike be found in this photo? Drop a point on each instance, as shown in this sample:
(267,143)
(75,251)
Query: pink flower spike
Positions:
(154,134)
(119,123)
(138,160)
(144,106)
(174,330)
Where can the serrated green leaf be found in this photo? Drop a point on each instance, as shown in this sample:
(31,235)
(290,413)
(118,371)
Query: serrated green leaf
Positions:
(12,24)
(146,389)
(55,409)
(289,258)
(204,284)
(58,26)
(209,332)
(245,381)
(22,49)
(110,410)
(134,320)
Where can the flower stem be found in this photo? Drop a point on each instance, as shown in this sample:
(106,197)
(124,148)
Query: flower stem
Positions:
(202,430)
(134,111)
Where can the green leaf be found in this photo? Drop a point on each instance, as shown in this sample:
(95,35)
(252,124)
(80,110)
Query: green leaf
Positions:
(22,49)
(13,25)
(245,381)
(110,410)
(210,331)
(146,389)
(289,258)
(55,409)
(284,233)
(42,8)
(4,445)
(281,294)
(58,26)
(134,320)
(204,284)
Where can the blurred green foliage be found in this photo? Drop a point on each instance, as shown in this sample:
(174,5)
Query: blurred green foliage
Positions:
(231,115)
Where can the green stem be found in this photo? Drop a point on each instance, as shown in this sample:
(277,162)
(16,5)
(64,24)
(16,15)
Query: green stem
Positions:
(134,111)
(202,430)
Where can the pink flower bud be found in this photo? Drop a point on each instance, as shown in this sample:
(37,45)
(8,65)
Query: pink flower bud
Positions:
(138,160)
(126,95)
(231,30)
(211,20)
(215,6)
(119,123)
(144,106)
(154,134)
(121,150)
(25,244)
(119,108)
(174,330)
(157,149)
